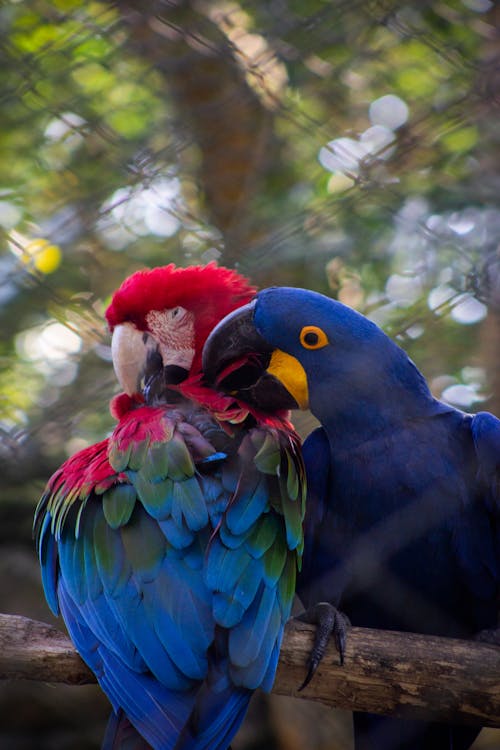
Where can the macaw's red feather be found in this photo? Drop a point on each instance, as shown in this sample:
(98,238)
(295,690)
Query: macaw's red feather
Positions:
(210,292)
(228,409)
(143,425)
(122,403)
(86,470)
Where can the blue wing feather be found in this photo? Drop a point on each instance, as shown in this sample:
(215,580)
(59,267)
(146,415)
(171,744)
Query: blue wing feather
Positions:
(179,536)
(245,639)
(225,565)
(179,608)
(48,555)
(261,667)
(170,583)
(486,435)
(316,454)
(247,570)
(113,567)
(262,537)
(249,502)
(189,504)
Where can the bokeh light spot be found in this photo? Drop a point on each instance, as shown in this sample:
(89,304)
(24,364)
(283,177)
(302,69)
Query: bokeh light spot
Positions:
(389,111)
(44,255)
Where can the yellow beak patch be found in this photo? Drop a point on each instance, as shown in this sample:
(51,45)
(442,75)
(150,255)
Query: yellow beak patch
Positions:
(291,374)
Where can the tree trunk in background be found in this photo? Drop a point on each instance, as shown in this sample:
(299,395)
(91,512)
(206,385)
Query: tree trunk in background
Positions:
(226,119)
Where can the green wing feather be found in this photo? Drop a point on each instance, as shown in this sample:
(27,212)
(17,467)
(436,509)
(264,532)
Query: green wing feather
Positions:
(253,558)
(119,522)
(159,557)
(157,462)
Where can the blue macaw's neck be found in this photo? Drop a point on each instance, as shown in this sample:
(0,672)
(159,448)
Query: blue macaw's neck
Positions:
(369,395)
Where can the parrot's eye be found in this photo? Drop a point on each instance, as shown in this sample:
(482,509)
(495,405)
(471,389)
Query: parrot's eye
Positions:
(312,337)
(176,314)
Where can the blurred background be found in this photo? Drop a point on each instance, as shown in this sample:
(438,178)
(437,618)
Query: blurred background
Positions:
(349,147)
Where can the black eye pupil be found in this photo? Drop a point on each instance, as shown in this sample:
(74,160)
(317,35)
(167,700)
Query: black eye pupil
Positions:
(311,338)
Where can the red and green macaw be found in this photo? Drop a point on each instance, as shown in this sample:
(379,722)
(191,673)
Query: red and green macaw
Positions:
(171,548)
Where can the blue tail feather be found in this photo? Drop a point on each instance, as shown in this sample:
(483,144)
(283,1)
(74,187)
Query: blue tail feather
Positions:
(122,735)
(157,713)
(216,717)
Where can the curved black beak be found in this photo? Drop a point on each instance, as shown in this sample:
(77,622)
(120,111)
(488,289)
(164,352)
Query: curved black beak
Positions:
(233,338)
(235,359)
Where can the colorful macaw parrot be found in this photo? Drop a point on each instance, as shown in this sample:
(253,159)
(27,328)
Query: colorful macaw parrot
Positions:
(171,548)
(402,525)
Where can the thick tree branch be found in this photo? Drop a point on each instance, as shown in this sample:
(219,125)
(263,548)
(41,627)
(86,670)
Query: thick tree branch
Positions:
(32,650)
(385,672)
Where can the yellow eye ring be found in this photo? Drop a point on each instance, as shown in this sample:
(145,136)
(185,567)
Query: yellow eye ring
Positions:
(312,337)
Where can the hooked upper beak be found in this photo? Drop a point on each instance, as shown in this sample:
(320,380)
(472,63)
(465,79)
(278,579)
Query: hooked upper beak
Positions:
(131,350)
(139,365)
(239,361)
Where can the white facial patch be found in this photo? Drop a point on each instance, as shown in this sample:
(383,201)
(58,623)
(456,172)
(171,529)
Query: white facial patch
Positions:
(174,331)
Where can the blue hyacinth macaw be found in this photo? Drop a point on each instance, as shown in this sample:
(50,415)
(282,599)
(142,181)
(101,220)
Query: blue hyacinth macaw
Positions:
(403,513)
(171,547)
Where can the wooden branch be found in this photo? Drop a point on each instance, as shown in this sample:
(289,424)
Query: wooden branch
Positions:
(399,674)
(32,650)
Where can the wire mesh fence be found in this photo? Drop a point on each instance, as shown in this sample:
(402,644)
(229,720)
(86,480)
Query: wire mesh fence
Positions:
(352,148)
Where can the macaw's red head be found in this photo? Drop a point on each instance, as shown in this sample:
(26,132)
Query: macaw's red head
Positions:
(161,318)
